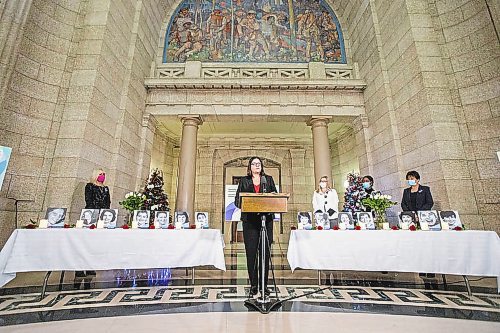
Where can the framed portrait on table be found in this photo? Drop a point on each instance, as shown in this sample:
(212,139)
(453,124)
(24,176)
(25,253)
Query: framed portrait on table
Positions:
(365,220)
(109,217)
(451,218)
(89,217)
(428,220)
(162,219)
(55,217)
(407,219)
(141,219)
(346,221)
(321,220)
(201,220)
(181,220)
(304,220)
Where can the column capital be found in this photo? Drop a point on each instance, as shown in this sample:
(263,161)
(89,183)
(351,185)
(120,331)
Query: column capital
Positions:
(319,121)
(359,123)
(149,120)
(191,120)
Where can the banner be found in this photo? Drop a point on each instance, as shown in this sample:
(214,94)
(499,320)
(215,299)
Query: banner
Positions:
(232,213)
(4,161)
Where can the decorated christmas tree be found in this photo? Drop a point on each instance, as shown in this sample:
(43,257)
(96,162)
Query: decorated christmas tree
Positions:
(156,198)
(353,194)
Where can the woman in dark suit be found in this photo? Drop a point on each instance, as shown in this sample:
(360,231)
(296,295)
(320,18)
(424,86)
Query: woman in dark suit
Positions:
(256,181)
(416,197)
(96,197)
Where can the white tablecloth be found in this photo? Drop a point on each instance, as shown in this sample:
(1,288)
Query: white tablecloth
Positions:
(102,249)
(445,252)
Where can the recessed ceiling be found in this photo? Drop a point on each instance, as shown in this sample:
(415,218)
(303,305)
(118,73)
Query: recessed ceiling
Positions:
(173,128)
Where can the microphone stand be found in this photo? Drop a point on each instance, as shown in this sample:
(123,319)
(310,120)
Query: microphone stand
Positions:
(264,304)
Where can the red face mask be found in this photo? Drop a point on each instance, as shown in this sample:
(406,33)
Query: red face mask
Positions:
(101,178)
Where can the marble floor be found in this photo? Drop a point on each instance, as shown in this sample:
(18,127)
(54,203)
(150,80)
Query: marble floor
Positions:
(140,300)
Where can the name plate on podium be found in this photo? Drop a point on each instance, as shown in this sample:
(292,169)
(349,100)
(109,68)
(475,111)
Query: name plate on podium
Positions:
(264,202)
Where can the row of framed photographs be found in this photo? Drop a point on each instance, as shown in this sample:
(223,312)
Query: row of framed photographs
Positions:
(56,217)
(427,219)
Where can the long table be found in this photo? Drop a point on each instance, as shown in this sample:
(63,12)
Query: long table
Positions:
(103,249)
(475,253)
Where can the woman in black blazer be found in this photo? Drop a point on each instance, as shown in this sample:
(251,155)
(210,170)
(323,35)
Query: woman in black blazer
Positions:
(416,197)
(256,181)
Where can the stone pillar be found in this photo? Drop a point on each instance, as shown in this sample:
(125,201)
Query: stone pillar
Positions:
(321,147)
(187,165)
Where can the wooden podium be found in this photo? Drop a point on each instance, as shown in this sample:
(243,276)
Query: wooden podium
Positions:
(264,202)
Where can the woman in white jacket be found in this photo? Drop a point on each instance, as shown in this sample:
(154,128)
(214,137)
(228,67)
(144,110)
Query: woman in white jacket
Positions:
(325,199)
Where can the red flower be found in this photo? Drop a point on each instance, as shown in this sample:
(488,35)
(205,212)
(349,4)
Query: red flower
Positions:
(335,227)
(170,226)
(413,228)
(66,226)
(357,227)
(31,226)
(92,226)
(293,227)
(125,226)
(152,226)
(192,226)
(394,227)
(320,227)
(458,229)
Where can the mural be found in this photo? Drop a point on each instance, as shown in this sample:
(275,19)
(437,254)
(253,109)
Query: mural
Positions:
(254,30)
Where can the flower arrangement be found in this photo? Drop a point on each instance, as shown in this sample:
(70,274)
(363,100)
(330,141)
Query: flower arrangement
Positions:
(319,227)
(379,204)
(413,228)
(458,228)
(293,227)
(335,227)
(133,201)
(394,227)
(357,227)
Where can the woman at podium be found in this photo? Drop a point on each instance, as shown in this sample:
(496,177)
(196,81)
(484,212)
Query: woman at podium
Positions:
(256,181)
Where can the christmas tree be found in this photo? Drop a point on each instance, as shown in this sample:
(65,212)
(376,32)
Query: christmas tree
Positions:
(353,194)
(156,198)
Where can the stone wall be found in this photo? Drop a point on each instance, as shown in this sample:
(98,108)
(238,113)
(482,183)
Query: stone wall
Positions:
(471,52)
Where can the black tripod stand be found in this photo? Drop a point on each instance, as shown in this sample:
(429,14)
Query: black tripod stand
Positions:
(264,304)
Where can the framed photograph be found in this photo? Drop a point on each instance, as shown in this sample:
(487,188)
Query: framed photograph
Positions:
(201,220)
(451,218)
(365,220)
(346,221)
(321,220)
(89,217)
(428,220)
(55,217)
(407,219)
(141,217)
(304,220)
(181,220)
(109,217)
(162,219)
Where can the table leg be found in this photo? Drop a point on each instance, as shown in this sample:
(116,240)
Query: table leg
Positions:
(467,284)
(61,279)
(44,287)
(444,282)
(192,275)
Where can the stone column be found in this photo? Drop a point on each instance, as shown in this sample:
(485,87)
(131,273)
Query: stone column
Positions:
(187,165)
(321,147)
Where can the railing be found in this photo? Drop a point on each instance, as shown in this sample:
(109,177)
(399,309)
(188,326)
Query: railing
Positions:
(313,71)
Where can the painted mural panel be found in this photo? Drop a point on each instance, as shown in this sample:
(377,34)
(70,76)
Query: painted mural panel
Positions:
(254,31)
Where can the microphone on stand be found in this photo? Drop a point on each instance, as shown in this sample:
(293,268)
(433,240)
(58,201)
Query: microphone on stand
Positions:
(263,182)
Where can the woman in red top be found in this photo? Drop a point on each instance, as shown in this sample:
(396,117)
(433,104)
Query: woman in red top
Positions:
(256,181)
